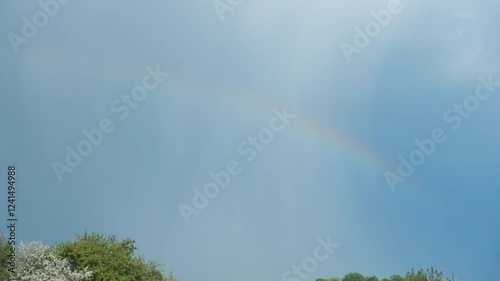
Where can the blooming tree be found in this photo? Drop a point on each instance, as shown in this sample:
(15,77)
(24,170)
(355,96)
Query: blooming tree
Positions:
(35,262)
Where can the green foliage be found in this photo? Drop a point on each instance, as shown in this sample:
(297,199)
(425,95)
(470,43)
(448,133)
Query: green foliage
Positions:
(4,256)
(430,274)
(110,259)
(396,277)
(353,276)
(331,279)
(416,276)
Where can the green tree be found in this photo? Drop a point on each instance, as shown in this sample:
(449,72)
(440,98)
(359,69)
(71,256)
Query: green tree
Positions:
(110,259)
(372,278)
(413,275)
(353,276)
(4,258)
(396,277)
(330,279)
(429,274)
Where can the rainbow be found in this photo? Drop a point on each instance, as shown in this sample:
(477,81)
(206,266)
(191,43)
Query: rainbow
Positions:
(55,63)
(308,129)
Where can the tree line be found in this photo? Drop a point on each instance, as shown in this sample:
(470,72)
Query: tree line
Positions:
(90,257)
(428,274)
(96,257)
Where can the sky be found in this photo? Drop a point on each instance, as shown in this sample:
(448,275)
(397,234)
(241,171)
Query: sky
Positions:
(353,108)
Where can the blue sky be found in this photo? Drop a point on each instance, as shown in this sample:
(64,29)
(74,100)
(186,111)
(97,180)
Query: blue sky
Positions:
(225,79)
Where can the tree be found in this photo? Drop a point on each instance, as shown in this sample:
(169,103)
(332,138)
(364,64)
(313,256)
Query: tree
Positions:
(35,262)
(110,259)
(331,279)
(396,277)
(4,259)
(373,278)
(430,274)
(416,276)
(353,276)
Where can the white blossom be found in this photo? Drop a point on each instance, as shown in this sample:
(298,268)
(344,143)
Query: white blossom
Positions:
(36,263)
